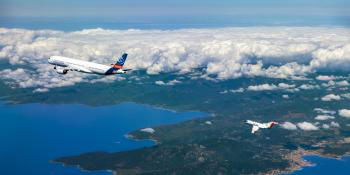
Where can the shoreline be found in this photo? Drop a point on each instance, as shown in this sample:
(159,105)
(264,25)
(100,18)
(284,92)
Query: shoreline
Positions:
(128,135)
(132,137)
(82,169)
(295,158)
(297,161)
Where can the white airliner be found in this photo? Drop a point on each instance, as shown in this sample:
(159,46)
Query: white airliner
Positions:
(257,126)
(64,64)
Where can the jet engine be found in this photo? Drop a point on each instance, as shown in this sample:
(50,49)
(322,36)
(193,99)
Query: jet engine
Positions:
(61,71)
(121,71)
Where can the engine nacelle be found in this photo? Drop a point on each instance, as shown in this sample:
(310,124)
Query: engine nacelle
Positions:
(121,71)
(61,71)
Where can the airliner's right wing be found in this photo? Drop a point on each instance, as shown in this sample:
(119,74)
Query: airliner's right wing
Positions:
(78,68)
(254,129)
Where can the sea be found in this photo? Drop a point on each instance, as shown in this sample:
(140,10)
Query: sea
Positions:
(31,135)
(325,166)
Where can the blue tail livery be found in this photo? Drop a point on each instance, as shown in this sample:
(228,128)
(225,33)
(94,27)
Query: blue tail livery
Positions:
(117,68)
(122,60)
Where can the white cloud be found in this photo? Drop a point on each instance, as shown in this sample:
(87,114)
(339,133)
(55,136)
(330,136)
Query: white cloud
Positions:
(41,90)
(285,86)
(324,111)
(43,80)
(324,78)
(332,83)
(169,83)
(347,95)
(342,83)
(307,126)
(299,78)
(309,86)
(329,84)
(148,130)
(277,52)
(324,117)
(289,126)
(344,113)
(325,126)
(237,90)
(328,78)
(270,87)
(262,87)
(208,123)
(335,124)
(224,92)
(330,97)
(159,82)
(285,96)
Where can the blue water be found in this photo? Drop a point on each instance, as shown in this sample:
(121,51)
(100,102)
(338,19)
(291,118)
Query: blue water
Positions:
(325,166)
(33,134)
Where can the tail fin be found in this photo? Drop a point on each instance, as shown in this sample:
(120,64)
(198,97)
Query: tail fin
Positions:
(121,60)
(272,124)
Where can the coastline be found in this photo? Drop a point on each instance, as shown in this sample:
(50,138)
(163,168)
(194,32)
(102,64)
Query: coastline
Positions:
(132,137)
(295,158)
(82,169)
(297,161)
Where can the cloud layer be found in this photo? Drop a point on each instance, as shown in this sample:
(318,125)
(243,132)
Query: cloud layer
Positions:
(289,126)
(344,113)
(331,97)
(307,126)
(278,52)
(324,117)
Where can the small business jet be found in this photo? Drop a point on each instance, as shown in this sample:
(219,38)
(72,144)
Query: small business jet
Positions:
(64,64)
(257,126)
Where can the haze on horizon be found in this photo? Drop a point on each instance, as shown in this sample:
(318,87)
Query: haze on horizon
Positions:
(252,12)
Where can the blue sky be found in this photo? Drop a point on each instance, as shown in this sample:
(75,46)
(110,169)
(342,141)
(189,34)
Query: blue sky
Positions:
(110,8)
(184,11)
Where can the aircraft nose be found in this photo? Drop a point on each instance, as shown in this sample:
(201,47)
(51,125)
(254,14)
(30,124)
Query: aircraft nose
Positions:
(49,60)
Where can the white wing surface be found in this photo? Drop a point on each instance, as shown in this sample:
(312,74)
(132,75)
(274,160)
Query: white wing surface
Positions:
(254,129)
(78,68)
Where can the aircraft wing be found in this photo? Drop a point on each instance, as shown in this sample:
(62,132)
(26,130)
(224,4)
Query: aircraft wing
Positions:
(254,129)
(78,68)
(252,122)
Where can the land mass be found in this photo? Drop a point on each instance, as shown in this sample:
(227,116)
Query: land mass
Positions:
(225,146)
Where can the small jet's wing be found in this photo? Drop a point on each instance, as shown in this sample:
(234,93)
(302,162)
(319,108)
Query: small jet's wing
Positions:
(254,129)
(78,68)
(251,122)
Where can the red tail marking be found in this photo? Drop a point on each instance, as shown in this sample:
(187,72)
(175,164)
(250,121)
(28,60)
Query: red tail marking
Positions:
(117,66)
(272,125)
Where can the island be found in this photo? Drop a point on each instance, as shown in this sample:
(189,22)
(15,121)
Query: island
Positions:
(217,144)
